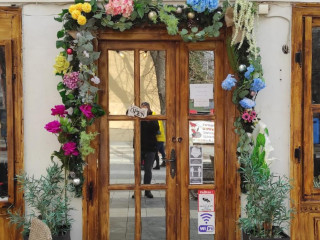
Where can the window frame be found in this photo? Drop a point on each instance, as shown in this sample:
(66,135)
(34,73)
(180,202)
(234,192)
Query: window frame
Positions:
(10,119)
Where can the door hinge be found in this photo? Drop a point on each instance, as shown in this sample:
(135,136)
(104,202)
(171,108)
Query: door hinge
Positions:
(297,154)
(90,191)
(298,58)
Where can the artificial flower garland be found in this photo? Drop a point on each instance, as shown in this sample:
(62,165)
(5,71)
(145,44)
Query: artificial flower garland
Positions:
(76,66)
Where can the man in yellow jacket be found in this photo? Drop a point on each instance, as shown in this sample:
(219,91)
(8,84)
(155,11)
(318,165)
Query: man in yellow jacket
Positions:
(161,139)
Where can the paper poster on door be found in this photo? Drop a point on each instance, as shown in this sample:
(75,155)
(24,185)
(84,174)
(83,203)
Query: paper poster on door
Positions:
(195,165)
(206,212)
(206,200)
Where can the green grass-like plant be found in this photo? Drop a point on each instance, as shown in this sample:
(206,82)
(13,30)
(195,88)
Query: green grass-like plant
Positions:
(47,199)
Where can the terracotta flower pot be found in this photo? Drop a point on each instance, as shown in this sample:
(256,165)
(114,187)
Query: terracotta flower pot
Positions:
(248,237)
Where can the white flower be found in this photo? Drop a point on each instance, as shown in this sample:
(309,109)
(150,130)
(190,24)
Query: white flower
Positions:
(86,54)
(95,80)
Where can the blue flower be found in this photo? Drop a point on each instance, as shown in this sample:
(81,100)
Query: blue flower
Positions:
(257,85)
(250,68)
(201,5)
(229,82)
(247,74)
(247,103)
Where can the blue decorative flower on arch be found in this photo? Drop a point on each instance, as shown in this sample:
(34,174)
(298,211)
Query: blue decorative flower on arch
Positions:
(201,5)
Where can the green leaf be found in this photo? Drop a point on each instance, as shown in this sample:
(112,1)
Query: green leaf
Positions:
(184,31)
(70,96)
(261,140)
(244,93)
(140,12)
(98,15)
(60,86)
(133,15)
(60,44)
(79,1)
(58,19)
(194,29)
(60,34)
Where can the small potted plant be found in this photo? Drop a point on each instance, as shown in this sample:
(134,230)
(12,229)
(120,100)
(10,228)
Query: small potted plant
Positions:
(266,212)
(46,199)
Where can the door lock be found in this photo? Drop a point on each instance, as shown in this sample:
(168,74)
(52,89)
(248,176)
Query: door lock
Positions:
(172,162)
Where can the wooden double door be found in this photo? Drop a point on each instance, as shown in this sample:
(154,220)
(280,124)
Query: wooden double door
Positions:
(182,84)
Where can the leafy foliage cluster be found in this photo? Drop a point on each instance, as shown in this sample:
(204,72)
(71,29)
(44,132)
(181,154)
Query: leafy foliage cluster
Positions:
(266,212)
(47,198)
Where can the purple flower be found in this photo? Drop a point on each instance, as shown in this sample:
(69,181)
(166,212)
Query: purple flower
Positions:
(257,85)
(70,148)
(229,82)
(247,103)
(86,110)
(71,80)
(59,110)
(53,127)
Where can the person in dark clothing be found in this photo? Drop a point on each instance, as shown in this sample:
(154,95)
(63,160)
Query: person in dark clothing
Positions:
(149,130)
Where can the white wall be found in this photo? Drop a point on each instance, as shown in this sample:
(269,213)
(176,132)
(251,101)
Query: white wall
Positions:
(40,94)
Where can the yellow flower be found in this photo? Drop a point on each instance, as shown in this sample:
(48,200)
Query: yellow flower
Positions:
(75,14)
(61,65)
(72,8)
(86,7)
(82,20)
(79,6)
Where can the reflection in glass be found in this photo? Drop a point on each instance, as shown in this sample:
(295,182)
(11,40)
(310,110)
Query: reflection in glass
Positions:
(3,129)
(121,152)
(201,152)
(153,80)
(201,82)
(121,81)
(122,217)
(316,149)
(193,219)
(153,216)
(152,132)
(316,65)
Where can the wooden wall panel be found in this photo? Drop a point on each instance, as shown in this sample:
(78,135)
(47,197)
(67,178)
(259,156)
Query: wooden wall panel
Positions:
(10,29)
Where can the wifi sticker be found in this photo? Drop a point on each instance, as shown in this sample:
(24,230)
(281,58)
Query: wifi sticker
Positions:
(206,223)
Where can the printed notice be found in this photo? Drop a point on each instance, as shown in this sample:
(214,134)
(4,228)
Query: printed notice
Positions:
(135,111)
(206,212)
(195,165)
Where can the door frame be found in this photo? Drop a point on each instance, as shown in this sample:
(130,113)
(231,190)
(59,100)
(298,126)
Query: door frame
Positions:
(230,180)
(307,209)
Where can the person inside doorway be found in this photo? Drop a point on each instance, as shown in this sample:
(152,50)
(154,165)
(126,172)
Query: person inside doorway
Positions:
(161,138)
(149,130)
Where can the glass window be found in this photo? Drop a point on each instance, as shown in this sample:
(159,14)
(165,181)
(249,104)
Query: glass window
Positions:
(201,82)
(316,65)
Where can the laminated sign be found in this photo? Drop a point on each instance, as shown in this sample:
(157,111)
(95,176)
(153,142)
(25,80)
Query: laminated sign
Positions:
(135,111)
(206,212)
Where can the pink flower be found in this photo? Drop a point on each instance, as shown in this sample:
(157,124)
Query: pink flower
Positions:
(246,116)
(71,80)
(70,148)
(117,7)
(86,110)
(253,114)
(59,110)
(53,127)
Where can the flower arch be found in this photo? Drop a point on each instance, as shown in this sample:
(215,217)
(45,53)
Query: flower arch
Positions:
(196,21)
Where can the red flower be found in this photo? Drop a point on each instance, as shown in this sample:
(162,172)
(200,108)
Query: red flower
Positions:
(86,110)
(246,116)
(70,148)
(59,110)
(53,127)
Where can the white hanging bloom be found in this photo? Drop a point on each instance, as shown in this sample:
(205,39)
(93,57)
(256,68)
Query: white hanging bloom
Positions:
(86,54)
(95,80)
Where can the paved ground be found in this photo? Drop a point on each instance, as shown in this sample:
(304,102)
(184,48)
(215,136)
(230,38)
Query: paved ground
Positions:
(122,224)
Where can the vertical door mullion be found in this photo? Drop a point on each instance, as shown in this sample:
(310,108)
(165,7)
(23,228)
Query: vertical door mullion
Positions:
(137,148)
(184,148)
(307,125)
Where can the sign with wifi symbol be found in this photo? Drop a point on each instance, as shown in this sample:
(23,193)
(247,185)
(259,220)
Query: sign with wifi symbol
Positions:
(206,222)
(206,217)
